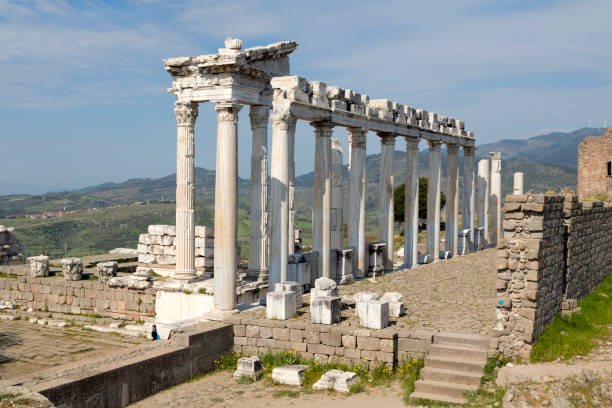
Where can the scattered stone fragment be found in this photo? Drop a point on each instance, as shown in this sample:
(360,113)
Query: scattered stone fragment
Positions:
(39,266)
(107,270)
(72,268)
(336,380)
(249,367)
(289,374)
(396,303)
(326,310)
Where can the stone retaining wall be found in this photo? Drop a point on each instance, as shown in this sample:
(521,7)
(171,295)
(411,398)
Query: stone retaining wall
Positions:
(555,250)
(348,344)
(78,297)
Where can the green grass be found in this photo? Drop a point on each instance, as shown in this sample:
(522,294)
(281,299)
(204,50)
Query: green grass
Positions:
(8,275)
(572,335)
(286,393)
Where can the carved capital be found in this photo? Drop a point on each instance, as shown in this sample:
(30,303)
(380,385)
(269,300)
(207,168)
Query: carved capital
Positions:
(412,143)
(259,115)
(452,148)
(357,136)
(323,129)
(386,138)
(283,122)
(468,150)
(228,112)
(434,145)
(186,113)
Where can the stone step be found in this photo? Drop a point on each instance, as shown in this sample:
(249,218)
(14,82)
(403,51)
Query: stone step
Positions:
(442,389)
(463,340)
(458,352)
(458,364)
(437,397)
(451,376)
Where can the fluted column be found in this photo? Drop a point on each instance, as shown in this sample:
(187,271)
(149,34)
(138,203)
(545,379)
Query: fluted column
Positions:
(483,199)
(258,252)
(226,206)
(291,219)
(283,129)
(495,198)
(468,193)
(452,199)
(186,114)
(356,199)
(433,200)
(321,206)
(337,205)
(385,206)
(411,204)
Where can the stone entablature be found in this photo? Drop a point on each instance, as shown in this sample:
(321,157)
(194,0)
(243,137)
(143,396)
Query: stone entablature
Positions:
(595,165)
(10,247)
(555,250)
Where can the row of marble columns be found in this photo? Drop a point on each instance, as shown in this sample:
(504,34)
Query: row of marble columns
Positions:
(271,256)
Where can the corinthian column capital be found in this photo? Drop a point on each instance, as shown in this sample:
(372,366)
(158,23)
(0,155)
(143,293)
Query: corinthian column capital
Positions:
(228,112)
(386,138)
(283,121)
(468,150)
(186,113)
(357,136)
(412,143)
(259,115)
(323,129)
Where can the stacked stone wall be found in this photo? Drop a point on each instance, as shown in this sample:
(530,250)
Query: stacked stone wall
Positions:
(555,250)
(350,345)
(594,153)
(78,297)
(157,248)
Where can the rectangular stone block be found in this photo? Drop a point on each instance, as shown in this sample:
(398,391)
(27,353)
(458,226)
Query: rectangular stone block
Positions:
(280,305)
(326,310)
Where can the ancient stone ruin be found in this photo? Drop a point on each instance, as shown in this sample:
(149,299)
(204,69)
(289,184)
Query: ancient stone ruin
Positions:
(10,247)
(595,165)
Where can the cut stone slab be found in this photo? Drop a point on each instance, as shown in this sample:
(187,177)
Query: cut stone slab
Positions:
(336,380)
(396,303)
(249,367)
(280,305)
(326,310)
(289,374)
(291,287)
(325,284)
(373,314)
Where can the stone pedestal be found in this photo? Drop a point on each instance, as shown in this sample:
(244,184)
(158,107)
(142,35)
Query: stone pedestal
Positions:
(464,241)
(291,287)
(433,200)
(385,207)
(280,305)
(495,199)
(468,193)
(452,199)
(337,192)
(107,270)
(483,200)
(226,206)
(326,310)
(258,252)
(283,128)
(376,251)
(323,287)
(72,268)
(321,206)
(356,200)
(518,183)
(186,114)
(344,265)
(250,367)
(39,266)
(411,210)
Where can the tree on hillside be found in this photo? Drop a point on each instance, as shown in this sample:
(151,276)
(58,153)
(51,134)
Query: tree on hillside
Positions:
(399,200)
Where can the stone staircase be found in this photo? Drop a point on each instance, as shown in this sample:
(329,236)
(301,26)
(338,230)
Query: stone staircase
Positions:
(455,365)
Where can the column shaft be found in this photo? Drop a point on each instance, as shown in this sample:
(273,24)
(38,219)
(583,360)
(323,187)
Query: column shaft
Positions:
(356,199)
(411,208)
(495,198)
(433,201)
(468,193)
(452,199)
(518,183)
(283,129)
(291,220)
(226,206)
(321,206)
(483,199)
(186,114)
(258,251)
(385,206)
(337,205)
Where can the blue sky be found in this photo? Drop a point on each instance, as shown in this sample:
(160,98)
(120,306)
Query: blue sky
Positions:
(83,89)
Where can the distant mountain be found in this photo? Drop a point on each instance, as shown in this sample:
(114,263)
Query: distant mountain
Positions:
(556,148)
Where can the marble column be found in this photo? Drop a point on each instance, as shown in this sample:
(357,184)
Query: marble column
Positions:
(385,207)
(226,206)
(283,129)
(495,198)
(321,205)
(411,208)
(433,200)
(483,199)
(291,191)
(468,193)
(356,199)
(337,207)
(186,114)
(258,253)
(452,199)
(518,183)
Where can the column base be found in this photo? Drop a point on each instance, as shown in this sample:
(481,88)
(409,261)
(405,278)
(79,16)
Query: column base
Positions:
(185,277)
(219,315)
